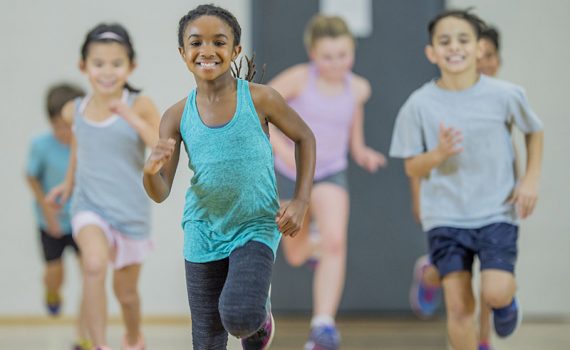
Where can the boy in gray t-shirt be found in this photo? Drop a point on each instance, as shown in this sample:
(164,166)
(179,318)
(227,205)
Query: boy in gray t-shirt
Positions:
(453,133)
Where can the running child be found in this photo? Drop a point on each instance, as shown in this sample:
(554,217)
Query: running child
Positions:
(425,293)
(232,220)
(330,98)
(46,168)
(454,134)
(112,126)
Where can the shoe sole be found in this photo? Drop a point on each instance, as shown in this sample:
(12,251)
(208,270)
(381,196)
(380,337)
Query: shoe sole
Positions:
(272,334)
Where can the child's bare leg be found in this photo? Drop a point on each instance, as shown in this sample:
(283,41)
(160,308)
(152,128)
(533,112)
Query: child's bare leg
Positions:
(125,283)
(497,288)
(95,252)
(53,276)
(82,330)
(299,248)
(330,206)
(431,277)
(484,322)
(460,305)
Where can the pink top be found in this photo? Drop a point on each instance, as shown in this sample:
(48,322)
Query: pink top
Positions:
(330,119)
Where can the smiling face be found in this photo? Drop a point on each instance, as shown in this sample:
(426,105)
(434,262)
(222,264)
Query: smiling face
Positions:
(107,66)
(454,47)
(209,47)
(334,57)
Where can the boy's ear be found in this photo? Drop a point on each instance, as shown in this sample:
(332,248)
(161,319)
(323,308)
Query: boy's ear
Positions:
(81,65)
(181,52)
(430,54)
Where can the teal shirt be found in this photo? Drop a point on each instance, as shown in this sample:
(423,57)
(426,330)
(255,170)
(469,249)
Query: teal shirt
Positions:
(47,163)
(232,199)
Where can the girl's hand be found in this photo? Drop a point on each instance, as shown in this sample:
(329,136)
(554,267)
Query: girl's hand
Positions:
(160,154)
(123,110)
(290,217)
(449,140)
(525,197)
(370,159)
(58,196)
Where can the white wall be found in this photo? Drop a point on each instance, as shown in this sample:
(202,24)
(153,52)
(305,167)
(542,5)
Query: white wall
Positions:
(40,46)
(536,55)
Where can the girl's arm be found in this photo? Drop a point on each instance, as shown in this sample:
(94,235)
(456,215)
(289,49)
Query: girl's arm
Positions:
(143,117)
(160,167)
(526,193)
(271,104)
(289,84)
(363,155)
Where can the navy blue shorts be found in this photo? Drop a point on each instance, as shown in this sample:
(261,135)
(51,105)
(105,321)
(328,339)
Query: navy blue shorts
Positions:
(453,249)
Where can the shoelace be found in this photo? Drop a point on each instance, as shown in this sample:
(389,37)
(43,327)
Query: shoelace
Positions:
(259,335)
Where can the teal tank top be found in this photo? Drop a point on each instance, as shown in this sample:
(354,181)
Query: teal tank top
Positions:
(232,198)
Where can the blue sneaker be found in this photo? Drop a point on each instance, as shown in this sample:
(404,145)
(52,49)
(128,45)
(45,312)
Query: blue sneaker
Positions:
(261,339)
(323,338)
(53,303)
(424,300)
(506,320)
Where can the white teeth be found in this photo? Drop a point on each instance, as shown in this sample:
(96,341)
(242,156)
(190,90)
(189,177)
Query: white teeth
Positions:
(207,65)
(455,59)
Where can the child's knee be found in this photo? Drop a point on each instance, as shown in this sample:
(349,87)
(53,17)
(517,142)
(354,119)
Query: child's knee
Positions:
(294,258)
(334,243)
(126,296)
(94,267)
(242,320)
(496,298)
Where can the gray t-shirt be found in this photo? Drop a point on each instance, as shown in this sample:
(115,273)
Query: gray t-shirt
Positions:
(470,189)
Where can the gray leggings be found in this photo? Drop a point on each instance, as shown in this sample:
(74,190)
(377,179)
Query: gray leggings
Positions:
(229,295)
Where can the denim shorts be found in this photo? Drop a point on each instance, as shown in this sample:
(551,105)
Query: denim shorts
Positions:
(453,249)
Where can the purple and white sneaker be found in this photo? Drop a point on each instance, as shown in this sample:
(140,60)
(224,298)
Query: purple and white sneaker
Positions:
(323,338)
(261,339)
(424,300)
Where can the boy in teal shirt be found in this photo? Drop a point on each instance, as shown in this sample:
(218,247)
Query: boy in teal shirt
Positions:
(46,168)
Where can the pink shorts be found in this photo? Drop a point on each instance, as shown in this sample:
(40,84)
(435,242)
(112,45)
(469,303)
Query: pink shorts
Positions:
(125,251)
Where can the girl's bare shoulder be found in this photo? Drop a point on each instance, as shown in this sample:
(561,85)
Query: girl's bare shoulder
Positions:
(361,88)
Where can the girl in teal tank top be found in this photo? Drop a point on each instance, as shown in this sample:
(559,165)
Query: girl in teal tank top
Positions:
(232,221)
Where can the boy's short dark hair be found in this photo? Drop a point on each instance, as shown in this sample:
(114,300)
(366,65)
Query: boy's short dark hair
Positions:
(477,23)
(491,34)
(58,95)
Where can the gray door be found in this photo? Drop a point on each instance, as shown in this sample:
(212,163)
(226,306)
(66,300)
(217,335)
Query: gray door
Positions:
(383,239)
